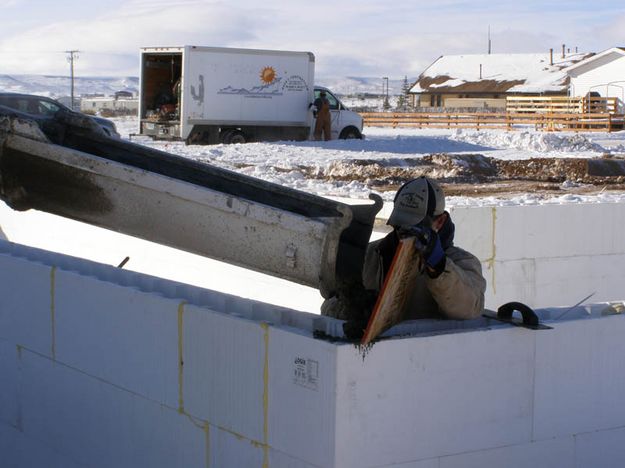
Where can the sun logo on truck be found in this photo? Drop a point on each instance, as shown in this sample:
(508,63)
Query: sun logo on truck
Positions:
(267,75)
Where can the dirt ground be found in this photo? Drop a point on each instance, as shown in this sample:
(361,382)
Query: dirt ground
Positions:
(481,176)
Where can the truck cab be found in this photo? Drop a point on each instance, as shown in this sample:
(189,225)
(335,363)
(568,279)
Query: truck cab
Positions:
(346,124)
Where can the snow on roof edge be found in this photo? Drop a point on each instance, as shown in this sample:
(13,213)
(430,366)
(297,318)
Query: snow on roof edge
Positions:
(529,73)
(618,50)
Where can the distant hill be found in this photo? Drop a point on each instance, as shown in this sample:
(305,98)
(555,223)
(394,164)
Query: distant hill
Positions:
(59,86)
(352,85)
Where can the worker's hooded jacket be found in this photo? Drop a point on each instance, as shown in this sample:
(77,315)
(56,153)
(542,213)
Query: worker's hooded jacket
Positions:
(456,293)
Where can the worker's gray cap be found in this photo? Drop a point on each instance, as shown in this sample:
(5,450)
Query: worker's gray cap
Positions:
(416,200)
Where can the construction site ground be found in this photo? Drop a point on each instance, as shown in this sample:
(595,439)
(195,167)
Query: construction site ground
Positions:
(475,175)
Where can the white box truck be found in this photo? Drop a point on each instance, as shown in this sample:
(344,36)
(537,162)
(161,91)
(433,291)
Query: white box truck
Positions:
(208,95)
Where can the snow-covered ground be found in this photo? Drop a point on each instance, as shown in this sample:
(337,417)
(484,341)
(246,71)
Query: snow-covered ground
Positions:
(298,164)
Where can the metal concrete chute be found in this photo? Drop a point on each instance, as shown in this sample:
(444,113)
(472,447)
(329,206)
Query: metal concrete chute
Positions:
(183,203)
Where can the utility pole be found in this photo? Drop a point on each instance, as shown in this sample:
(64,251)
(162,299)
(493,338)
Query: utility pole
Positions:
(71,56)
(385,104)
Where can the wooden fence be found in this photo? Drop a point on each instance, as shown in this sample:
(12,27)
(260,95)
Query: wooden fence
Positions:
(561,104)
(546,121)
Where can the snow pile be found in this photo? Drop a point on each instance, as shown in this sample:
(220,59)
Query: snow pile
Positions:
(619,148)
(529,141)
(536,199)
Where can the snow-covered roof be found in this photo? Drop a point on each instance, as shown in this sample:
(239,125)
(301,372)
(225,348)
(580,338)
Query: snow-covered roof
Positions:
(590,61)
(497,73)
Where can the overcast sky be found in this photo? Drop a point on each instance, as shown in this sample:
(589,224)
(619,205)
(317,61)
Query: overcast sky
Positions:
(349,37)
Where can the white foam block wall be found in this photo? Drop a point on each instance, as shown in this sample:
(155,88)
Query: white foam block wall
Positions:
(546,255)
(104,367)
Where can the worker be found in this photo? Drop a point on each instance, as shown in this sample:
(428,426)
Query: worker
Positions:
(177,92)
(450,284)
(163,96)
(323,123)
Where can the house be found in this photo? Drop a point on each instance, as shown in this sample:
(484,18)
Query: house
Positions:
(110,106)
(602,75)
(485,80)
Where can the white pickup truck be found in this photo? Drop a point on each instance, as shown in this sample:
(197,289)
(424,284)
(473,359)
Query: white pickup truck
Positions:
(208,95)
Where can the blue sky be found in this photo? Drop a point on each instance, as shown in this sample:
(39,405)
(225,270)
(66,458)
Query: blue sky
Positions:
(348,37)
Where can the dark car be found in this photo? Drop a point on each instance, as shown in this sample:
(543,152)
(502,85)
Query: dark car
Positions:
(44,110)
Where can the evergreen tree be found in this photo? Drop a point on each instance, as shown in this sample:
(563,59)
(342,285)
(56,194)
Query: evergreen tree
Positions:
(405,94)
(401,102)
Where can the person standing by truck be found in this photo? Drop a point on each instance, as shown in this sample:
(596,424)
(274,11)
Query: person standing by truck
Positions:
(323,123)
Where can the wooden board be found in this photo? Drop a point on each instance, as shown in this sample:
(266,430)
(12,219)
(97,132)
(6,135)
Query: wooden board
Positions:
(390,304)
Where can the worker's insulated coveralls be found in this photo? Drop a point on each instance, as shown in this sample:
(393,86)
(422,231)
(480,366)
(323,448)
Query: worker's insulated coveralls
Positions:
(457,293)
(323,118)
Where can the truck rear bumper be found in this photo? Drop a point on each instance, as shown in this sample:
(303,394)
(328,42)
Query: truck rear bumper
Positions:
(160,130)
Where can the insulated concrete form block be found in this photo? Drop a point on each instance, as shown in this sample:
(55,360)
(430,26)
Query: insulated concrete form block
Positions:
(27,304)
(101,425)
(556,453)
(301,398)
(552,281)
(600,449)
(118,334)
(475,230)
(9,383)
(559,230)
(279,459)
(579,377)
(228,449)
(514,280)
(222,373)
(543,282)
(430,463)
(425,396)
(566,281)
(521,232)
(19,451)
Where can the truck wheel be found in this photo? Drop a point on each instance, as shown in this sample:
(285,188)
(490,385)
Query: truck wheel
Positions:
(350,133)
(234,137)
(224,136)
(193,139)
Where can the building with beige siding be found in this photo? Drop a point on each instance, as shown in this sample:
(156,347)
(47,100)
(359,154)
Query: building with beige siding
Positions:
(483,81)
